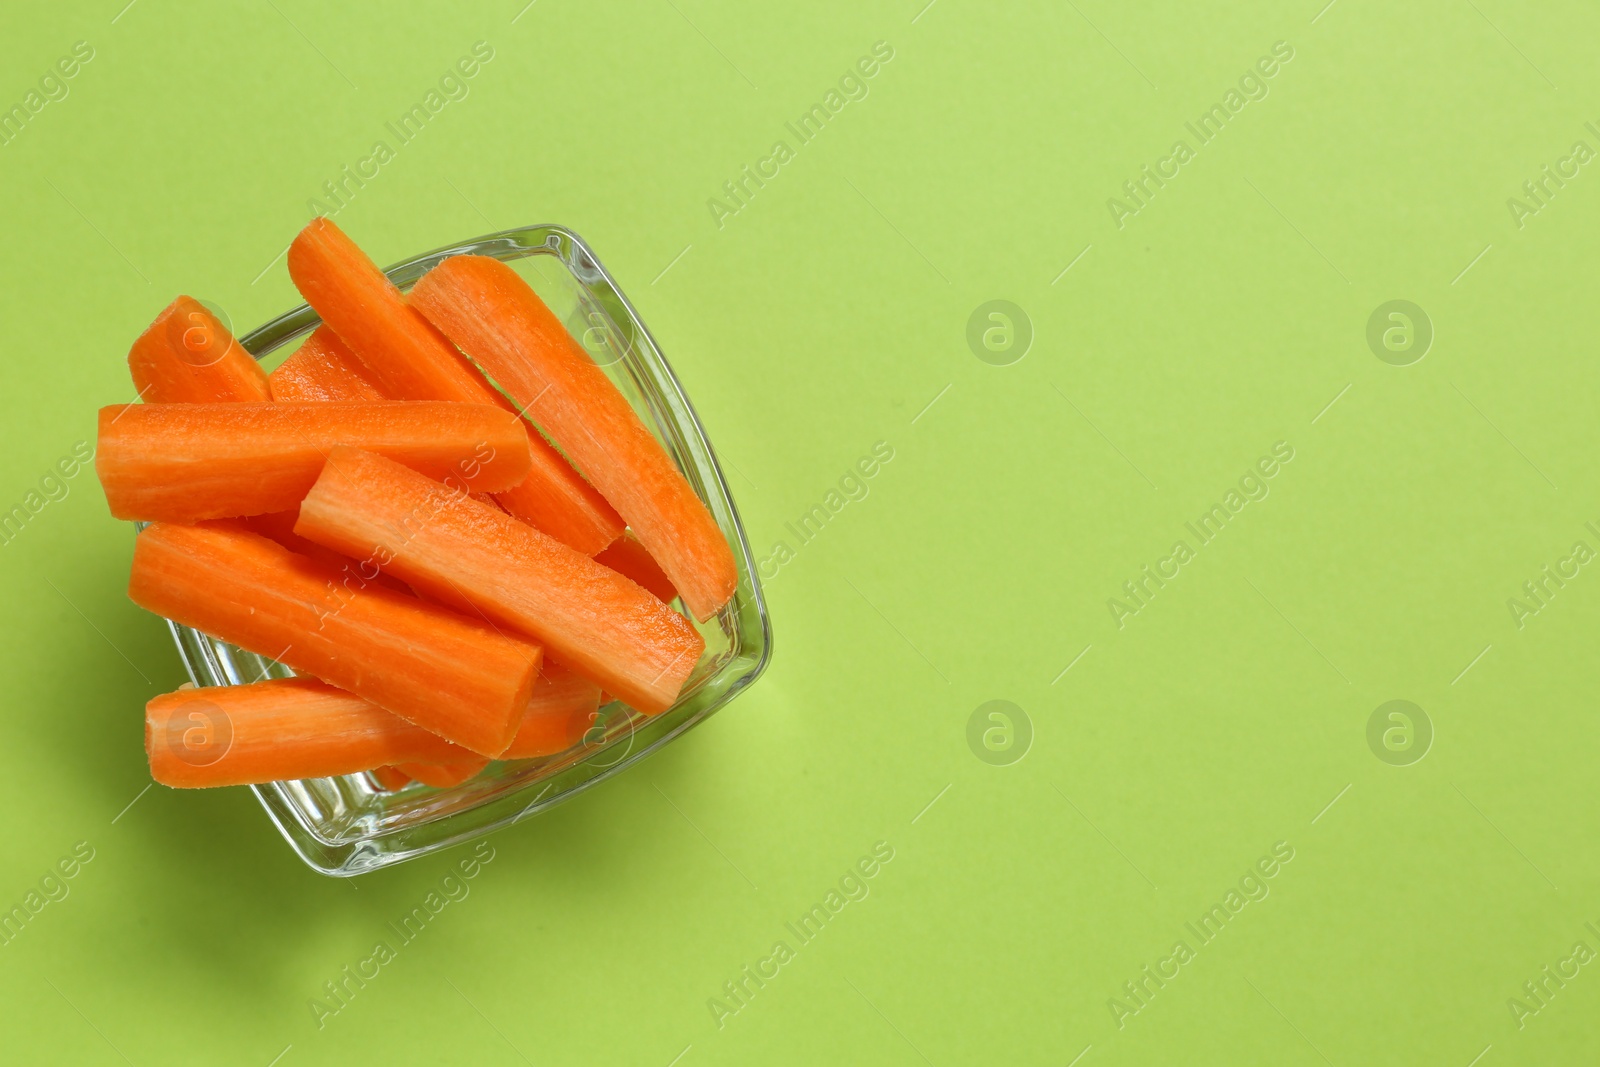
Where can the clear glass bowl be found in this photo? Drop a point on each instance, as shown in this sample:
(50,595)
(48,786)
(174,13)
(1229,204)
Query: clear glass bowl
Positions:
(344,826)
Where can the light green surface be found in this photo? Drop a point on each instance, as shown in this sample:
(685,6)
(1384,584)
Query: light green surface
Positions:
(822,318)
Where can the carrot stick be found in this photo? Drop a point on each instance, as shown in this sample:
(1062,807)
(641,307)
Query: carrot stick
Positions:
(557,500)
(188,357)
(390,779)
(480,560)
(411,360)
(369,314)
(458,677)
(442,775)
(322,368)
(629,558)
(186,462)
(492,315)
(559,713)
(278,730)
(279,526)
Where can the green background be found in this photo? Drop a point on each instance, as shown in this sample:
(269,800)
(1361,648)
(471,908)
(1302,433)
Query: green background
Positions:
(1228,715)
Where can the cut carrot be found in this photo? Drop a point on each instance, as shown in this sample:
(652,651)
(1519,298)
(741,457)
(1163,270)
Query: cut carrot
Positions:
(459,677)
(322,368)
(362,306)
(497,319)
(412,361)
(390,779)
(480,560)
(279,526)
(277,730)
(186,462)
(188,357)
(442,775)
(559,713)
(558,501)
(629,558)
(546,735)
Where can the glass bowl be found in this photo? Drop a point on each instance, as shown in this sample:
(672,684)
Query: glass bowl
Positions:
(345,826)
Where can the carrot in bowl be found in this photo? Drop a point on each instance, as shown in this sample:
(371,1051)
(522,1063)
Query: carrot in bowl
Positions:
(482,561)
(499,321)
(187,462)
(558,714)
(571,512)
(277,730)
(390,779)
(279,526)
(188,357)
(458,677)
(413,361)
(322,368)
(442,775)
(629,558)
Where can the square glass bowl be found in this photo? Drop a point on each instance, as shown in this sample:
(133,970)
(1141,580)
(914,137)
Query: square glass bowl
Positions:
(344,826)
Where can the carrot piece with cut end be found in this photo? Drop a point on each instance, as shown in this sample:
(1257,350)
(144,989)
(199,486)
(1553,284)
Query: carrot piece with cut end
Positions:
(277,730)
(629,558)
(499,321)
(187,357)
(481,560)
(279,526)
(413,361)
(369,314)
(322,368)
(558,501)
(442,775)
(458,677)
(187,462)
(389,779)
(558,714)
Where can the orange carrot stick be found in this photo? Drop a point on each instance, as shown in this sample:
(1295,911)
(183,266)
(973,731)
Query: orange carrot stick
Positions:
(274,731)
(442,775)
(458,677)
(279,526)
(411,360)
(390,779)
(186,462)
(629,558)
(188,357)
(480,560)
(369,314)
(559,713)
(496,318)
(573,512)
(322,368)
